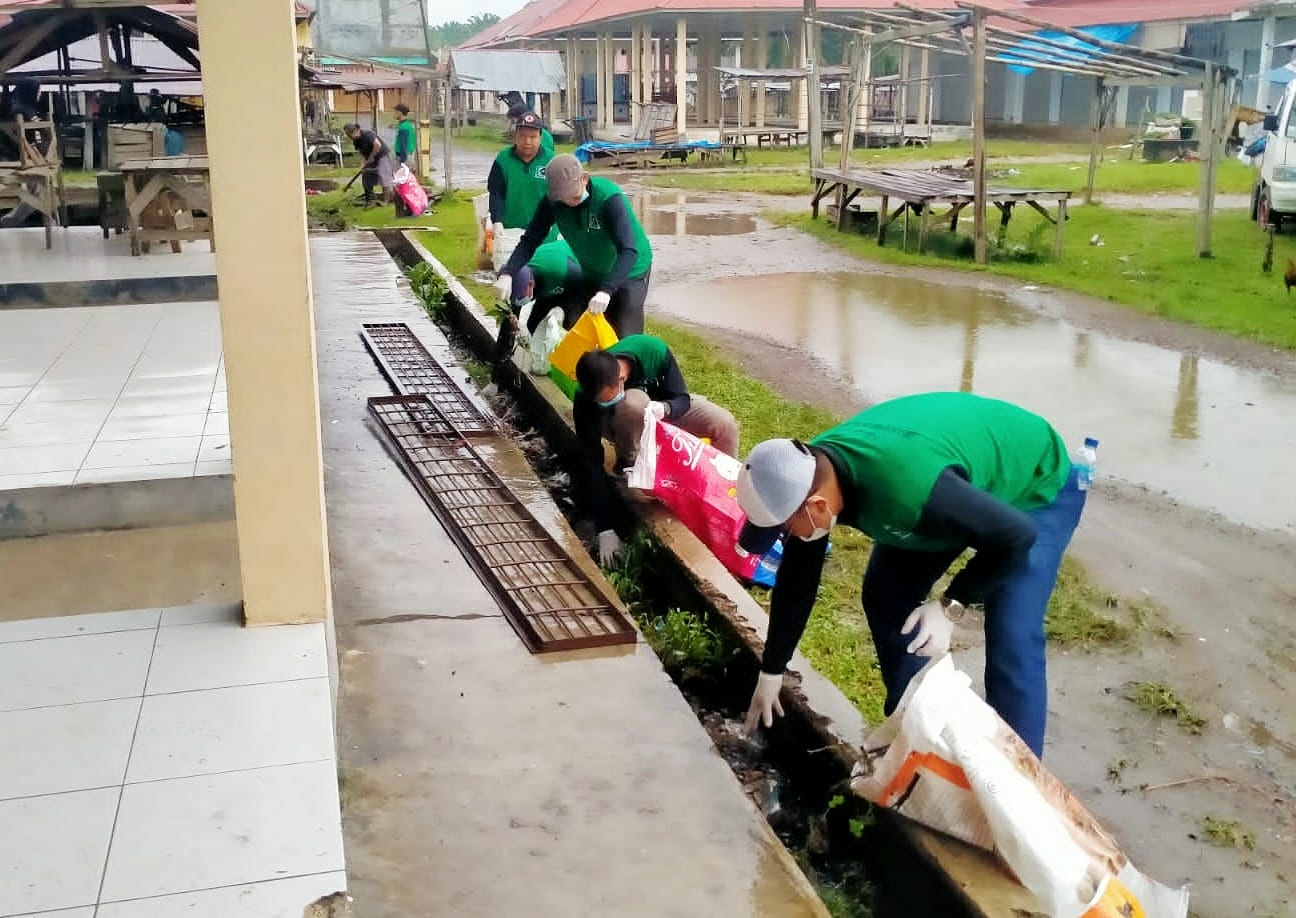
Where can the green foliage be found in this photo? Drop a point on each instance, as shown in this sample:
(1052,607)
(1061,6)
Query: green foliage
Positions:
(1227,833)
(1159,700)
(451,34)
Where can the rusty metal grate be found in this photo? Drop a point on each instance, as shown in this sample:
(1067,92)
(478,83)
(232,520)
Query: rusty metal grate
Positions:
(550,601)
(413,371)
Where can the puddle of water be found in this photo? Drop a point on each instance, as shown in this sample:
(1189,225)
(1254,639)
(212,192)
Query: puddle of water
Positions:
(668,214)
(1211,435)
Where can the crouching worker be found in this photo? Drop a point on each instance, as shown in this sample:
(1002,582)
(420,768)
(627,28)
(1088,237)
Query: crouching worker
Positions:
(925,477)
(616,387)
(552,278)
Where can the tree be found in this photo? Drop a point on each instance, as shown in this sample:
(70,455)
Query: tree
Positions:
(454,33)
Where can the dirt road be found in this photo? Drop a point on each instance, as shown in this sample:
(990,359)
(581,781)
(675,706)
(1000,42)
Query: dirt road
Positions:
(1211,545)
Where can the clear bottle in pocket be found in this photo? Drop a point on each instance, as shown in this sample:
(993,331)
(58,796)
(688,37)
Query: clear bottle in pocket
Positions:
(1085,462)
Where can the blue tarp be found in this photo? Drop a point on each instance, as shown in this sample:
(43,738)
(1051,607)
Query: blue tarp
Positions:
(586,151)
(1281,75)
(1077,51)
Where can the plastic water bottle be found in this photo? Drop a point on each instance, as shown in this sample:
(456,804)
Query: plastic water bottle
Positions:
(1085,461)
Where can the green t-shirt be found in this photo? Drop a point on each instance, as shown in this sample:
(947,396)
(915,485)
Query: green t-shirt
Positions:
(550,265)
(591,242)
(546,140)
(405,143)
(524,185)
(893,452)
(652,353)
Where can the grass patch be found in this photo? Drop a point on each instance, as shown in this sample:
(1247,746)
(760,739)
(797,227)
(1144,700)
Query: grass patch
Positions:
(1078,612)
(1226,833)
(1124,176)
(1159,700)
(454,242)
(1148,262)
(339,210)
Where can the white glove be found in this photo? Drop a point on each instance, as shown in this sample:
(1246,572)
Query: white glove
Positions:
(497,230)
(504,289)
(934,630)
(765,702)
(598,303)
(609,546)
(659,409)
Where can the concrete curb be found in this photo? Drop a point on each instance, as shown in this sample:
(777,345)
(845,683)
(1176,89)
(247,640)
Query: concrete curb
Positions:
(116,505)
(126,291)
(978,878)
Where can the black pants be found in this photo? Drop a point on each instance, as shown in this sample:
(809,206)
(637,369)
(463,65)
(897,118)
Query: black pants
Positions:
(625,312)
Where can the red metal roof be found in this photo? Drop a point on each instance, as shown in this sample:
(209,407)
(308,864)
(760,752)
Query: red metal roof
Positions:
(541,17)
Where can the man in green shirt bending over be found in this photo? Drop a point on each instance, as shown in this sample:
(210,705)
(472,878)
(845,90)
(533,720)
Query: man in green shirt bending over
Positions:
(926,477)
(595,218)
(617,386)
(545,282)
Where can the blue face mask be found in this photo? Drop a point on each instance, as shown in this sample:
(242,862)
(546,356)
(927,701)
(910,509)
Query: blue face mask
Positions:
(614,401)
(584,196)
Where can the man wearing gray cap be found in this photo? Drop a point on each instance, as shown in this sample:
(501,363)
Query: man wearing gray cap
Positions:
(607,239)
(926,477)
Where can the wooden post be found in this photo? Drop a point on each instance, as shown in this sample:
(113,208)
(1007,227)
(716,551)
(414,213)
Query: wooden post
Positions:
(446,140)
(1095,127)
(1208,145)
(978,134)
(864,96)
(902,102)
(924,87)
(814,95)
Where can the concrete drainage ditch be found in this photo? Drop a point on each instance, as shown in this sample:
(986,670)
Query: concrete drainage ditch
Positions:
(796,774)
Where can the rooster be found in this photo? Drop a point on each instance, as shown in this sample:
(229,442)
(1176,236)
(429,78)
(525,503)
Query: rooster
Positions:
(1289,276)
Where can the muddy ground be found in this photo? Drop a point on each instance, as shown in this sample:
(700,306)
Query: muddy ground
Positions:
(1225,588)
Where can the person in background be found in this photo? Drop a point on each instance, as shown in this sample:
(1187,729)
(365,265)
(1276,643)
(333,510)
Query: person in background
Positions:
(544,283)
(617,385)
(516,183)
(595,218)
(515,114)
(926,477)
(406,146)
(376,170)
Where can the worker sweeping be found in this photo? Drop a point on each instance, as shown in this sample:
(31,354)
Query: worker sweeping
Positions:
(376,170)
(617,385)
(595,218)
(925,477)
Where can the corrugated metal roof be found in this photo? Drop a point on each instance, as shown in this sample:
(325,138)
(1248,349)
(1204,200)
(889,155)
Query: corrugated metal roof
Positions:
(545,17)
(504,70)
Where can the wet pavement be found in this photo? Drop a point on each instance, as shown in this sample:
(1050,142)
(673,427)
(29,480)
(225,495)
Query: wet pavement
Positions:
(1169,420)
(676,213)
(477,778)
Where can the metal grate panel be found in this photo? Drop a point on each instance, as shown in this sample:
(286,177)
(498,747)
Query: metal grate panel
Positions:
(413,371)
(550,601)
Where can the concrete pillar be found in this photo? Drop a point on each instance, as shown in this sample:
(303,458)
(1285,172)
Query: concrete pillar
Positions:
(762,61)
(1164,100)
(681,76)
(267,320)
(571,61)
(1120,108)
(648,69)
(924,87)
(636,74)
(1266,62)
(709,58)
(801,88)
(1014,97)
(605,64)
(1055,97)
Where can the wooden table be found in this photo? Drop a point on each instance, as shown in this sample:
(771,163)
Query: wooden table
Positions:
(166,192)
(919,190)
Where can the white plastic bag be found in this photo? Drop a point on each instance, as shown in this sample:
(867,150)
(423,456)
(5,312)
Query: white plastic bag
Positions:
(402,175)
(504,245)
(547,335)
(952,764)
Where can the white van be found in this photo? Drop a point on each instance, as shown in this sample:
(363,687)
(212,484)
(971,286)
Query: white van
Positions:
(1273,199)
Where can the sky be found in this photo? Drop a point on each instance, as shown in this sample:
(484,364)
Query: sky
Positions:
(440,11)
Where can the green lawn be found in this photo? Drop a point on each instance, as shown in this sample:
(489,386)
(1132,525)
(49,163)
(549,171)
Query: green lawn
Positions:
(1124,176)
(1148,262)
(752,181)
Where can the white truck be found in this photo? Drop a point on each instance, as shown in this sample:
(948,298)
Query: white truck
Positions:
(1273,199)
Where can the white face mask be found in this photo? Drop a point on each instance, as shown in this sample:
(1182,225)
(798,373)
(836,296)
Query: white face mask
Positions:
(818,533)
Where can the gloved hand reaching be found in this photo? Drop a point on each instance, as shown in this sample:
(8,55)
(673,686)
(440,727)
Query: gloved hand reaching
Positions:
(765,702)
(609,546)
(598,303)
(934,629)
(504,288)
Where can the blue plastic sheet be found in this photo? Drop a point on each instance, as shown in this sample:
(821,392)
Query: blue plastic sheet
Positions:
(1076,52)
(586,151)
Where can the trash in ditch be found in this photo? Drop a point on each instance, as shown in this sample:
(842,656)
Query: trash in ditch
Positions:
(946,759)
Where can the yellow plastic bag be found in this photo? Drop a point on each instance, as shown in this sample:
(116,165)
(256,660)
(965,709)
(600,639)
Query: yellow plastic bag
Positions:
(590,331)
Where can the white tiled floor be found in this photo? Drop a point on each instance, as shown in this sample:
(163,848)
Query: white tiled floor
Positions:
(165,762)
(111,393)
(81,251)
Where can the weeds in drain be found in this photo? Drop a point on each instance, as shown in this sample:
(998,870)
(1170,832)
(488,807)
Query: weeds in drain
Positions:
(685,638)
(1226,833)
(430,288)
(1160,700)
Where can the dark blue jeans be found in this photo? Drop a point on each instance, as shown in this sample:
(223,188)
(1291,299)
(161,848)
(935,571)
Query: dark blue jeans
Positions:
(898,580)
